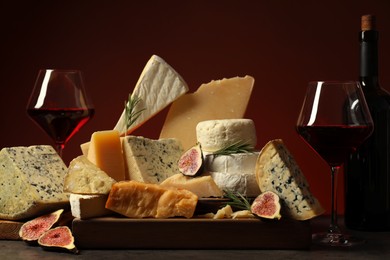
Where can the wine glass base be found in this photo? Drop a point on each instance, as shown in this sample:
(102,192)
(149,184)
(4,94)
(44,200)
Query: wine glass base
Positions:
(336,240)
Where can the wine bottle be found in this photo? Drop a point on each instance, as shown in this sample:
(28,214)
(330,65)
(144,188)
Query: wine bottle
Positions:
(367,171)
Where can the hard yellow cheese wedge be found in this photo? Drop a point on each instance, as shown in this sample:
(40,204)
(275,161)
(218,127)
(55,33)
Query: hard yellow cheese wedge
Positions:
(105,151)
(219,99)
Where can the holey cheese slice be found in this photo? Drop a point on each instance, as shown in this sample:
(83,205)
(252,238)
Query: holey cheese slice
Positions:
(277,171)
(142,200)
(219,99)
(158,86)
(31,181)
(151,161)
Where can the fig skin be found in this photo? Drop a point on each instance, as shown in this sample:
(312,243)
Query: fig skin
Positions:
(191,163)
(267,206)
(58,238)
(33,229)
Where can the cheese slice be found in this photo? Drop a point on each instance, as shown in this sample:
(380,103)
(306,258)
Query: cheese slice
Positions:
(105,151)
(202,186)
(158,86)
(31,182)
(88,206)
(142,200)
(151,161)
(215,135)
(219,99)
(277,171)
(84,177)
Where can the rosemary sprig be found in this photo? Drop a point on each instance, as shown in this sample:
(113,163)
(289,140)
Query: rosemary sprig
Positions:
(237,147)
(131,115)
(237,200)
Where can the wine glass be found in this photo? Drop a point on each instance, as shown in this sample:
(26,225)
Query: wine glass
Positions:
(59,104)
(334,120)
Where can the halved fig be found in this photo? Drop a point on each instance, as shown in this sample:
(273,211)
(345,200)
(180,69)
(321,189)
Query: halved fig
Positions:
(59,238)
(191,162)
(33,229)
(267,206)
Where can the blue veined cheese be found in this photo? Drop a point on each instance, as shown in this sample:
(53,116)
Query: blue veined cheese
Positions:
(157,87)
(31,180)
(277,171)
(151,161)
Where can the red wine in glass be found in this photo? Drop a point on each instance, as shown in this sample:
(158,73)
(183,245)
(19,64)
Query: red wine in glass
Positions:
(334,143)
(59,104)
(334,120)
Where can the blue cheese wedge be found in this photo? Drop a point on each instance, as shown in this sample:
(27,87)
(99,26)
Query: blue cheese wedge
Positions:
(31,182)
(151,161)
(157,87)
(277,171)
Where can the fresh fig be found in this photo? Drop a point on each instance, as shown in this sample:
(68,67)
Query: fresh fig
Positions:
(191,162)
(59,238)
(267,206)
(33,229)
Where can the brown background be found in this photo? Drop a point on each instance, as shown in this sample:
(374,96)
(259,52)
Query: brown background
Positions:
(283,44)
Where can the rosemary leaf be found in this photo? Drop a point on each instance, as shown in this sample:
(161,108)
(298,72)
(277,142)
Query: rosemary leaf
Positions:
(237,200)
(131,115)
(238,147)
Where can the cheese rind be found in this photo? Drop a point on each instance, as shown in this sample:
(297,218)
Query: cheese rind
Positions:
(105,151)
(277,171)
(214,135)
(88,206)
(84,177)
(31,182)
(142,200)
(202,186)
(151,161)
(157,87)
(218,99)
(232,163)
(243,183)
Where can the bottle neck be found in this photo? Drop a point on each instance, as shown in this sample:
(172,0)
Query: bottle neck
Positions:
(369,58)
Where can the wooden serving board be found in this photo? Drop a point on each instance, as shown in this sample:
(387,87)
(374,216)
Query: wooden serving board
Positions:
(9,230)
(195,233)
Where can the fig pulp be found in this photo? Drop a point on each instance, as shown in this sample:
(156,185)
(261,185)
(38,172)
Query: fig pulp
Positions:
(33,229)
(191,162)
(58,238)
(267,205)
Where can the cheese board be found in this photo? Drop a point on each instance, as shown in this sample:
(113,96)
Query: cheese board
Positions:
(194,233)
(9,230)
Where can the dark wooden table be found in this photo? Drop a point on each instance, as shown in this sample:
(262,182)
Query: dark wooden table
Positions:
(377,246)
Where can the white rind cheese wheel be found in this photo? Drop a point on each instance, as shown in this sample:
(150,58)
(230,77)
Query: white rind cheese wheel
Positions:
(243,183)
(232,163)
(214,135)
(277,171)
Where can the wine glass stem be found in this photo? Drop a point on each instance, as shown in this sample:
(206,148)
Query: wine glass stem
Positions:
(59,148)
(334,228)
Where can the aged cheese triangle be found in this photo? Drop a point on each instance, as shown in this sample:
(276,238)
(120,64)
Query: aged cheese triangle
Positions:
(219,99)
(158,86)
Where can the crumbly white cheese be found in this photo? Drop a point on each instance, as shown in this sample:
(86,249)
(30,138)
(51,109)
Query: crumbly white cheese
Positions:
(88,206)
(151,161)
(277,171)
(31,180)
(157,87)
(218,134)
(84,177)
